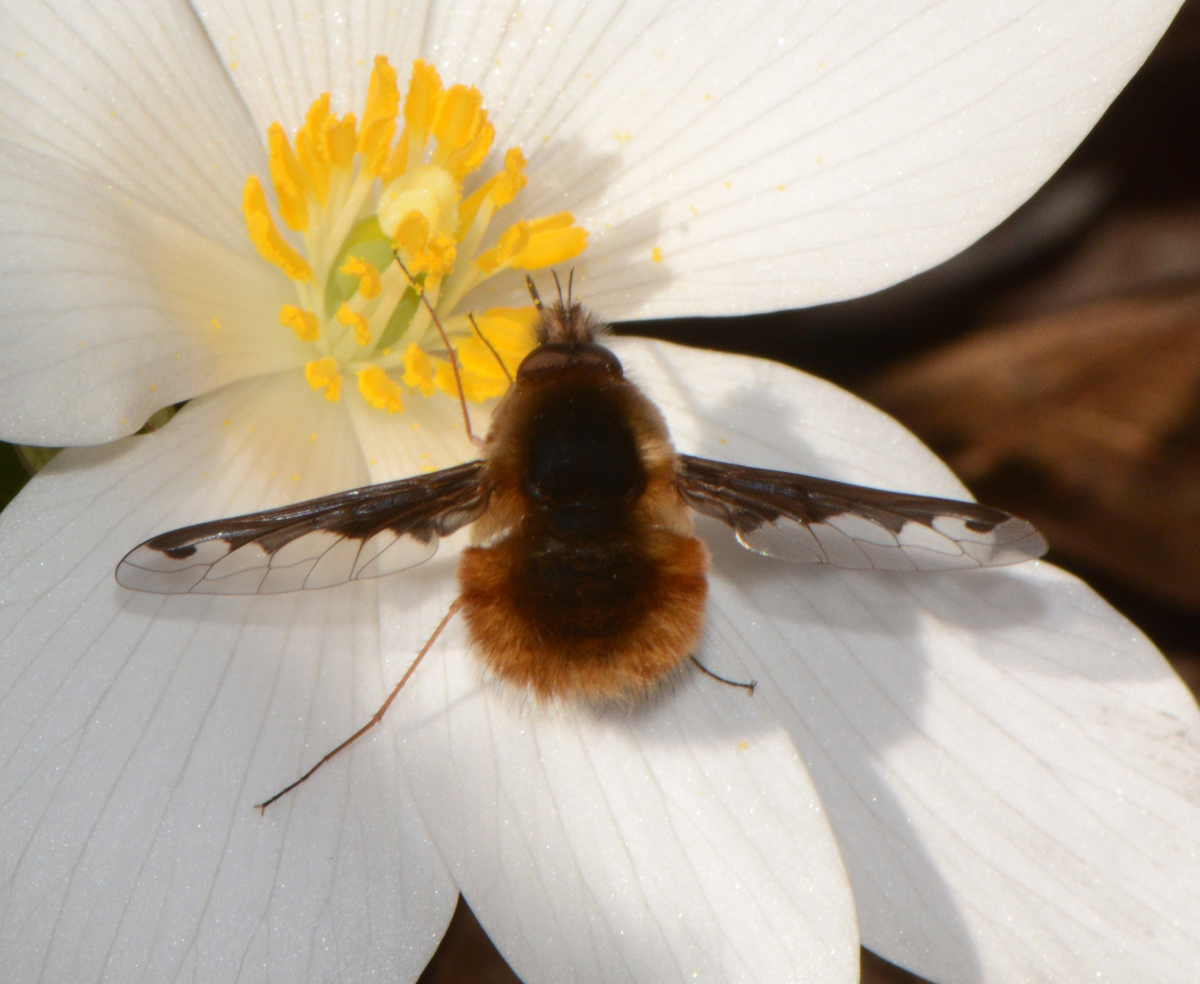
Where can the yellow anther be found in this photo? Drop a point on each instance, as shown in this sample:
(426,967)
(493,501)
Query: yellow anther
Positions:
(378,389)
(303,323)
(514,239)
(368,276)
(309,144)
(495,192)
(352,319)
(266,237)
(437,258)
(459,118)
(552,239)
(288,177)
(418,370)
(424,254)
(422,102)
(397,164)
(512,179)
(413,232)
(379,118)
(469,158)
(322,374)
(340,140)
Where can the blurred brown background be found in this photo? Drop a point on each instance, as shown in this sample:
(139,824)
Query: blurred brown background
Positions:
(1055,365)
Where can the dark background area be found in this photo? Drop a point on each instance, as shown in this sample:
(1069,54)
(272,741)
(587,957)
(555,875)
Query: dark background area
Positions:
(1055,365)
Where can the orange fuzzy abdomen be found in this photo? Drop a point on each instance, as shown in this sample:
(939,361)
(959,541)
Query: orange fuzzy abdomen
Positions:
(603,622)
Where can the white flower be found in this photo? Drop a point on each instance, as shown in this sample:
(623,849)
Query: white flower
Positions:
(996,772)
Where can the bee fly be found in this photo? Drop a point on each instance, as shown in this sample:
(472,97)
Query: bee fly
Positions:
(585,579)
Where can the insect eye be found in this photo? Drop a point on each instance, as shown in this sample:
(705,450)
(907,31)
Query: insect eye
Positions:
(553,356)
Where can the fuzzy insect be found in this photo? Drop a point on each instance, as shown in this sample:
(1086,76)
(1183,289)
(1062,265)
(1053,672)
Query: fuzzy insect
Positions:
(585,579)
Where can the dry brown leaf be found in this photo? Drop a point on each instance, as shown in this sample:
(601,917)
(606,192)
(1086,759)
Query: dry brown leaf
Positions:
(1085,421)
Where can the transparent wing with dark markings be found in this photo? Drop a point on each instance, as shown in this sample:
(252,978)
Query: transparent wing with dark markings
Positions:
(816,521)
(367,532)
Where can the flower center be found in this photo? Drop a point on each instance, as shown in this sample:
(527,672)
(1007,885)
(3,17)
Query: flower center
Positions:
(384,221)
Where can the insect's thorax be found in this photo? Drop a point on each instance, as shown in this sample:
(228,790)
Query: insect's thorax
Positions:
(578,455)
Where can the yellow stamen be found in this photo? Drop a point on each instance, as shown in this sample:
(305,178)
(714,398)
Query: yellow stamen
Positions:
(421,104)
(496,192)
(397,164)
(413,232)
(303,323)
(266,237)
(378,389)
(424,254)
(379,118)
(308,144)
(537,244)
(418,370)
(322,374)
(352,319)
(469,158)
(459,118)
(340,140)
(288,177)
(368,276)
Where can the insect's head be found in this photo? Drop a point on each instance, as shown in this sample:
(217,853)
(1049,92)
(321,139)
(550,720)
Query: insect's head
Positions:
(566,333)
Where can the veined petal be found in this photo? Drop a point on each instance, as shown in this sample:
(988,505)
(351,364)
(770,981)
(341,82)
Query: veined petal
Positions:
(136,95)
(113,310)
(429,436)
(790,154)
(681,841)
(1009,765)
(280,63)
(137,732)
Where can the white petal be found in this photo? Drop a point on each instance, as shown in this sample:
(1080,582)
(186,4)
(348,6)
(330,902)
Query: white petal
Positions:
(135,94)
(282,54)
(109,307)
(680,842)
(1011,768)
(137,732)
(785,154)
(429,434)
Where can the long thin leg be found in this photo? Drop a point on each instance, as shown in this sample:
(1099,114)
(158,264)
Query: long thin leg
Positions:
(462,399)
(748,687)
(491,347)
(378,716)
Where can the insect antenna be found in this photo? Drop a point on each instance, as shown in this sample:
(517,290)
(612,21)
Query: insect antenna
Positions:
(558,284)
(533,292)
(491,347)
(748,687)
(378,715)
(570,286)
(462,399)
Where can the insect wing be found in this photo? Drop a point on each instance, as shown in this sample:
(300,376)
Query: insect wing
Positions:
(817,521)
(366,532)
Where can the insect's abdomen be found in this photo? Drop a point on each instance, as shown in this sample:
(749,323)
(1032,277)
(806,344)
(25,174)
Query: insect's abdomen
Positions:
(608,623)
